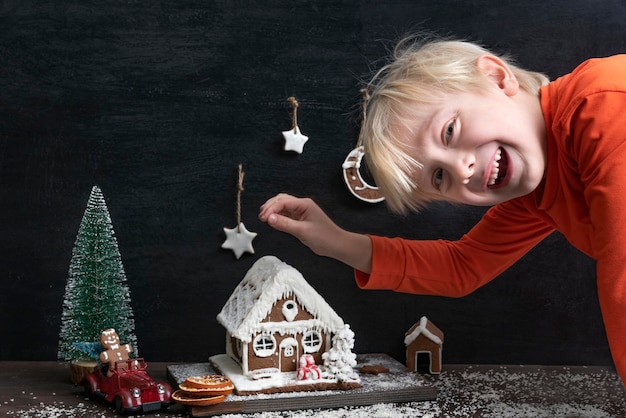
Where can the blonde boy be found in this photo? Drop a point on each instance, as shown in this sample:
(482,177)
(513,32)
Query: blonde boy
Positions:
(452,121)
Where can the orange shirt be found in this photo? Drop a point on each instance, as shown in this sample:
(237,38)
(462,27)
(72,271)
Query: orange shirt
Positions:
(583,196)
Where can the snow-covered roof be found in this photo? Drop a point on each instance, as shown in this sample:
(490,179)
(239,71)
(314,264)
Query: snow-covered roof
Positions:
(422,328)
(268,281)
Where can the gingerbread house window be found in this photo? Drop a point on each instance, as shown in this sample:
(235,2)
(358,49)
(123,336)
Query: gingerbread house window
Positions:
(290,310)
(312,341)
(239,348)
(288,351)
(264,345)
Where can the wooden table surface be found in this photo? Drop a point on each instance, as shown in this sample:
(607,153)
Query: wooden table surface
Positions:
(43,389)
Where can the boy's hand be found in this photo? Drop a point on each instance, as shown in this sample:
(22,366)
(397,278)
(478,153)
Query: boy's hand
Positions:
(302,218)
(305,220)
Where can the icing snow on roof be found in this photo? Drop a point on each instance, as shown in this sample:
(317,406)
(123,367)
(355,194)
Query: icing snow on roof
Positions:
(268,281)
(421,329)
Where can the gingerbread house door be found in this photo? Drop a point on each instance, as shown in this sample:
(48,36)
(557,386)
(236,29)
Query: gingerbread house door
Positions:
(288,355)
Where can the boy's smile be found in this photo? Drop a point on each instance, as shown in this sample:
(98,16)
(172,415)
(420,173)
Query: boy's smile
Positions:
(498,170)
(481,148)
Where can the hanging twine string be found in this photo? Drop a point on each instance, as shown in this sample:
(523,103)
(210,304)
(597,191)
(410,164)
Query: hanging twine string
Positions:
(239,190)
(366,98)
(294,104)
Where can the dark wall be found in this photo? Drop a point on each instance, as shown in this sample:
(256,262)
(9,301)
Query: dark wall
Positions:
(157,103)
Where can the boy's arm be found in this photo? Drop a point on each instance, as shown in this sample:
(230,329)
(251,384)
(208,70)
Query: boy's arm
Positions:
(455,268)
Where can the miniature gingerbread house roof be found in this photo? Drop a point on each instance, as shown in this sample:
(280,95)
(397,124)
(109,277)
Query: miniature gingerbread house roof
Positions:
(426,328)
(268,281)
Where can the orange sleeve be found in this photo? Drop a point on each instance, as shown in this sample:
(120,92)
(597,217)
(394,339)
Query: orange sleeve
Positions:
(599,141)
(455,268)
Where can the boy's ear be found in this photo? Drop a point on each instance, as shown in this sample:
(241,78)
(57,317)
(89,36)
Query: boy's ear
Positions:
(497,71)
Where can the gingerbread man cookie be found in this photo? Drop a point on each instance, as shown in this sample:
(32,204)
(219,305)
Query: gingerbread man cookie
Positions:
(113,352)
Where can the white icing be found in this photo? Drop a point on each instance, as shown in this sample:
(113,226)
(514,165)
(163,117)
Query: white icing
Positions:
(262,379)
(294,140)
(353,160)
(268,281)
(340,360)
(288,342)
(396,379)
(263,373)
(290,310)
(239,240)
(421,329)
(244,316)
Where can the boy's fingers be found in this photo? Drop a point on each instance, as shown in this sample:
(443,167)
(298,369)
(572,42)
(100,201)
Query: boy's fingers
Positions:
(273,220)
(271,206)
(282,223)
(266,210)
(278,221)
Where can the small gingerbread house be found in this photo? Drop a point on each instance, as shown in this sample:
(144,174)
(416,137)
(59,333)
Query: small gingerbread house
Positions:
(273,317)
(424,338)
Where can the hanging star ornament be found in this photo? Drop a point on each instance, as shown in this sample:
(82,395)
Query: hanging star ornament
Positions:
(294,140)
(239,239)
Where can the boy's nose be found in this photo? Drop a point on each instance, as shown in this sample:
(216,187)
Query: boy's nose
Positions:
(465,169)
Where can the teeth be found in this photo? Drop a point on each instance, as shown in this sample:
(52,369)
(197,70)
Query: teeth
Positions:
(495,170)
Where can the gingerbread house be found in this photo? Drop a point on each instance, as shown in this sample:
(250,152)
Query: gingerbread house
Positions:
(274,317)
(425,339)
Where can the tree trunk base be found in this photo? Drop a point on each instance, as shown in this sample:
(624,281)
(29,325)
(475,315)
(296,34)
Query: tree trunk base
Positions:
(81,368)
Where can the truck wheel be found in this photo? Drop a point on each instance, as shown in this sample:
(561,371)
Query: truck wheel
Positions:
(119,405)
(88,392)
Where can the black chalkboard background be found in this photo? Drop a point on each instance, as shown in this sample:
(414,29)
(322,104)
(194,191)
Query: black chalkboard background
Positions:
(157,102)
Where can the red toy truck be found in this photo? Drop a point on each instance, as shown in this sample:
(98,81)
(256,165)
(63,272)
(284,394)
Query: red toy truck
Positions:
(129,387)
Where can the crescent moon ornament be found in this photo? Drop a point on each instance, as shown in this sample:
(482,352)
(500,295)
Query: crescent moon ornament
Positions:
(355,182)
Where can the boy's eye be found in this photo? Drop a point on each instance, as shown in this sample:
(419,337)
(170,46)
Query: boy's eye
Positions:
(447,135)
(437,178)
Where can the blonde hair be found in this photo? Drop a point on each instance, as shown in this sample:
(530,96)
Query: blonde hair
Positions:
(421,73)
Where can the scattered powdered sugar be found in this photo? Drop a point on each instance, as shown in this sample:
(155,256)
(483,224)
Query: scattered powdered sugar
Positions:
(463,391)
(396,378)
(81,408)
(57,411)
(547,411)
(378,411)
(501,391)
(76,411)
(495,392)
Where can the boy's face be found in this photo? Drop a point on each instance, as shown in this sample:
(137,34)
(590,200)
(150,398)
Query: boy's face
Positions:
(481,148)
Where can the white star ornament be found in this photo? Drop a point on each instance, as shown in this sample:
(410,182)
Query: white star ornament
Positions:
(294,140)
(239,239)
